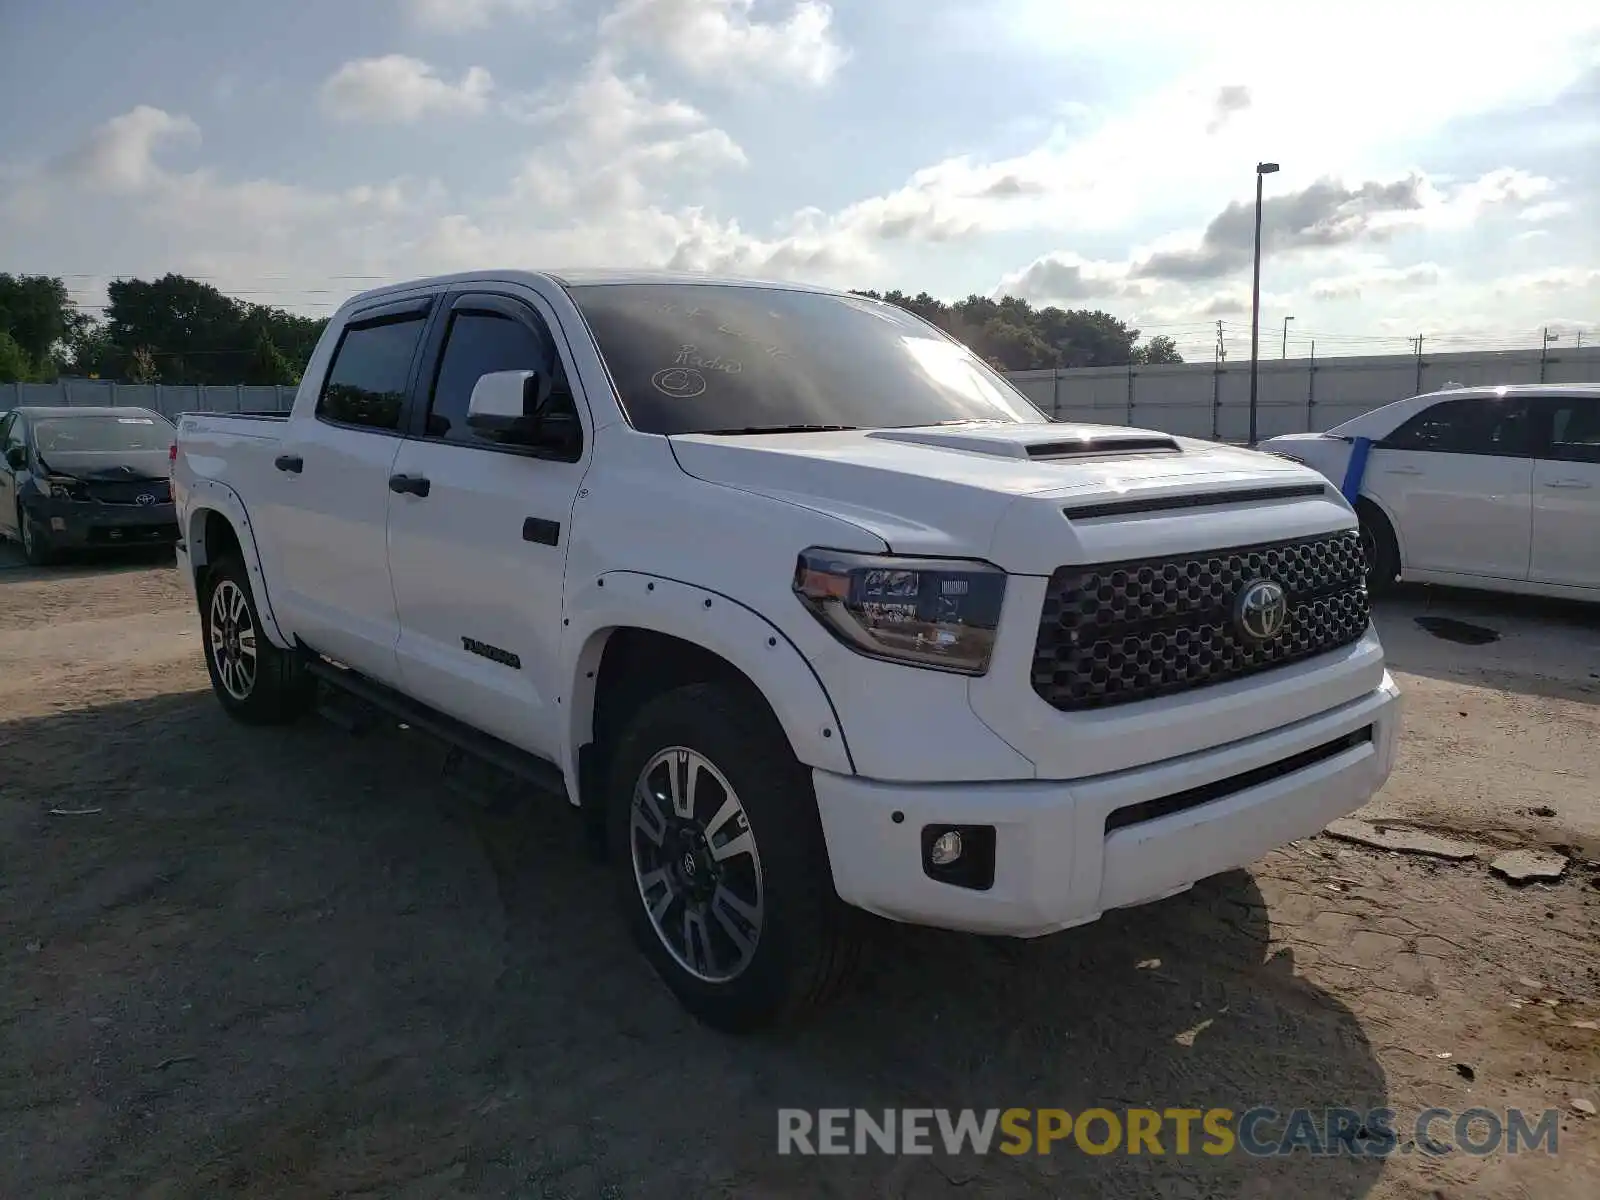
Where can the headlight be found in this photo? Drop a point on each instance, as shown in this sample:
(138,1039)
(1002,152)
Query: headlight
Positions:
(63,487)
(924,612)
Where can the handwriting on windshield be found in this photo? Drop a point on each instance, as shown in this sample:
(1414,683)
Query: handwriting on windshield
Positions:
(681,383)
(690,356)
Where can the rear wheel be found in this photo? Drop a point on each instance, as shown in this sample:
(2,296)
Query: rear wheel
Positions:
(256,682)
(1379,547)
(719,860)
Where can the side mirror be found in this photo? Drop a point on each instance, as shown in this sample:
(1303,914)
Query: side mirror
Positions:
(513,407)
(505,405)
(17,457)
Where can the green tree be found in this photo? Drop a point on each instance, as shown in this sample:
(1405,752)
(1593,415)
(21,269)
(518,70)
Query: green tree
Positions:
(14,364)
(142,366)
(1011,332)
(37,314)
(196,334)
(1158,350)
(267,363)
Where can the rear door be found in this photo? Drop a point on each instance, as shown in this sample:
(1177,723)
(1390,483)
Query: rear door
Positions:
(1566,492)
(1457,478)
(330,491)
(478,558)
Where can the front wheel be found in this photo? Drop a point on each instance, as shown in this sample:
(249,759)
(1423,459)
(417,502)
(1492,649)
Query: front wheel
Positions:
(1379,547)
(720,864)
(256,682)
(35,548)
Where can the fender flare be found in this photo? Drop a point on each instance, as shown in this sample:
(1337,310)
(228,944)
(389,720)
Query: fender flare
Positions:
(1355,473)
(210,495)
(723,626)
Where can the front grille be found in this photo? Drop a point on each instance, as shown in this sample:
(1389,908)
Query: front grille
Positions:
(128,491)
(1115,633)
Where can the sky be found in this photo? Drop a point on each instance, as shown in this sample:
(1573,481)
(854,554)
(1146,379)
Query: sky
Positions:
(1440,162)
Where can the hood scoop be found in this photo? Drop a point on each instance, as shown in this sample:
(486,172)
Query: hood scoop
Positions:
(1035,443)
(1100,446)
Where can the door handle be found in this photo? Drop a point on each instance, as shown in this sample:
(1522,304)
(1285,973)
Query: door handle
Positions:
(1567,483)
(541,531)
(1403,471)
(291,463)
(409,485)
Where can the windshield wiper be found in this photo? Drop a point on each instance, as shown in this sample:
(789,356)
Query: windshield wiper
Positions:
(780,429)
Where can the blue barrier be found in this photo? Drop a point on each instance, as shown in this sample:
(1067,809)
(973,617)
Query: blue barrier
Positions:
(1351,488)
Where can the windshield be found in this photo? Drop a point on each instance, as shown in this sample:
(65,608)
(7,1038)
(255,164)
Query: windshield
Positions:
(65,435)
(704,358)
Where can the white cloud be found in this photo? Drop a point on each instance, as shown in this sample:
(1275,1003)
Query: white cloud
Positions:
(721,41)
(1353,286)
(399,89)
(462,16)
(119,156)
(1067,278)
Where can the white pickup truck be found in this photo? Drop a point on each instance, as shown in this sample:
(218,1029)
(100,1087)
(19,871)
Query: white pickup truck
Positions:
(803,606)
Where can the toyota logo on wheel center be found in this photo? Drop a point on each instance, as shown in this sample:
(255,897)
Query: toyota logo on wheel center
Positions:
(1261,611)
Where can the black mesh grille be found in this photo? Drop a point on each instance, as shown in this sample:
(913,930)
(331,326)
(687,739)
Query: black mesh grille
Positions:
(1119,632)
(117,491)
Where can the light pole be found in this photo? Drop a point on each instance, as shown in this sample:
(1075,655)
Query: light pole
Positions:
(1285,353)
(1262,169)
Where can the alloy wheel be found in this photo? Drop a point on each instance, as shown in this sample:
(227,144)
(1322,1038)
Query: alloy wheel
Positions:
(233,640)
(696,865)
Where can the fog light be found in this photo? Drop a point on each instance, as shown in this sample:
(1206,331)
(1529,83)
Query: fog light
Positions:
(946,849)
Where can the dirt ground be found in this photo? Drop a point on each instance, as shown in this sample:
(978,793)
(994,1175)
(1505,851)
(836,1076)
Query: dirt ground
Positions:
(290,963)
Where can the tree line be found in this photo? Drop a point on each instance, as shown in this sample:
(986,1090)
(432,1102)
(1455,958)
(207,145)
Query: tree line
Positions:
(180,330)
(168,330)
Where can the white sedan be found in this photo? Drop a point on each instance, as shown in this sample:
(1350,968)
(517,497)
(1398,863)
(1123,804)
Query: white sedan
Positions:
(1480,487)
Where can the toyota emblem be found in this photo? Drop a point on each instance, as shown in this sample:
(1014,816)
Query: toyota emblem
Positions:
(146,498)
(1261,611)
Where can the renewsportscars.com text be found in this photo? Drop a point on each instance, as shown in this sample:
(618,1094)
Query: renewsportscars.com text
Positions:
(1259,1132)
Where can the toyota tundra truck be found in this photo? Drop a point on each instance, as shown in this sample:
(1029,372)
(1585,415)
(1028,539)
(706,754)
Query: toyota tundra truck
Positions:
(803,606)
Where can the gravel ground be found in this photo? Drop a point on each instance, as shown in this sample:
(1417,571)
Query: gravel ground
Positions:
(291,963)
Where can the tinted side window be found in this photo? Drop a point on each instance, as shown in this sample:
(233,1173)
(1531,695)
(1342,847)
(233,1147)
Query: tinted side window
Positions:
(479,344)
(1575,430)
(1467,426)
(366,384)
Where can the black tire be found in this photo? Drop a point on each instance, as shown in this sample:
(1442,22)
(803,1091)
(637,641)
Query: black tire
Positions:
(805,946)
(279,689)
(1380,547)
(35,544)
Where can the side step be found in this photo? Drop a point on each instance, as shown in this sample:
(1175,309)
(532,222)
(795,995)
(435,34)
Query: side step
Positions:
(540,772)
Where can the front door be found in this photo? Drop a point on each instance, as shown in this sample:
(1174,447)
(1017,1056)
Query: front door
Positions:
(478,560)
(10,477)
(1566,493)
(1457,479)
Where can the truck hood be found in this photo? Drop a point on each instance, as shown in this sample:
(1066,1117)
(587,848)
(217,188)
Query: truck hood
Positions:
(1006,492)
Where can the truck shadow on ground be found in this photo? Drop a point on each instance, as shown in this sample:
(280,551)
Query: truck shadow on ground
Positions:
(287,962)
(14,567)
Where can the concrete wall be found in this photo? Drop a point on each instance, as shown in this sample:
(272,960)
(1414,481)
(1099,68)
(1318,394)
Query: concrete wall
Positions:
(1208,400)
(1190,399)
(169,399)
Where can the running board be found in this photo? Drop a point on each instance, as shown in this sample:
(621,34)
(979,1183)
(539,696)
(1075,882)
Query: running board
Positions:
(540,772)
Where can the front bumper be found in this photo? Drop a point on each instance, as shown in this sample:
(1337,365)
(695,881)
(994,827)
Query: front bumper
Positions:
(1057,865)
(79,524)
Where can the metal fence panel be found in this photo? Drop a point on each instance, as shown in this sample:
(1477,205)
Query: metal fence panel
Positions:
(1199,399)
